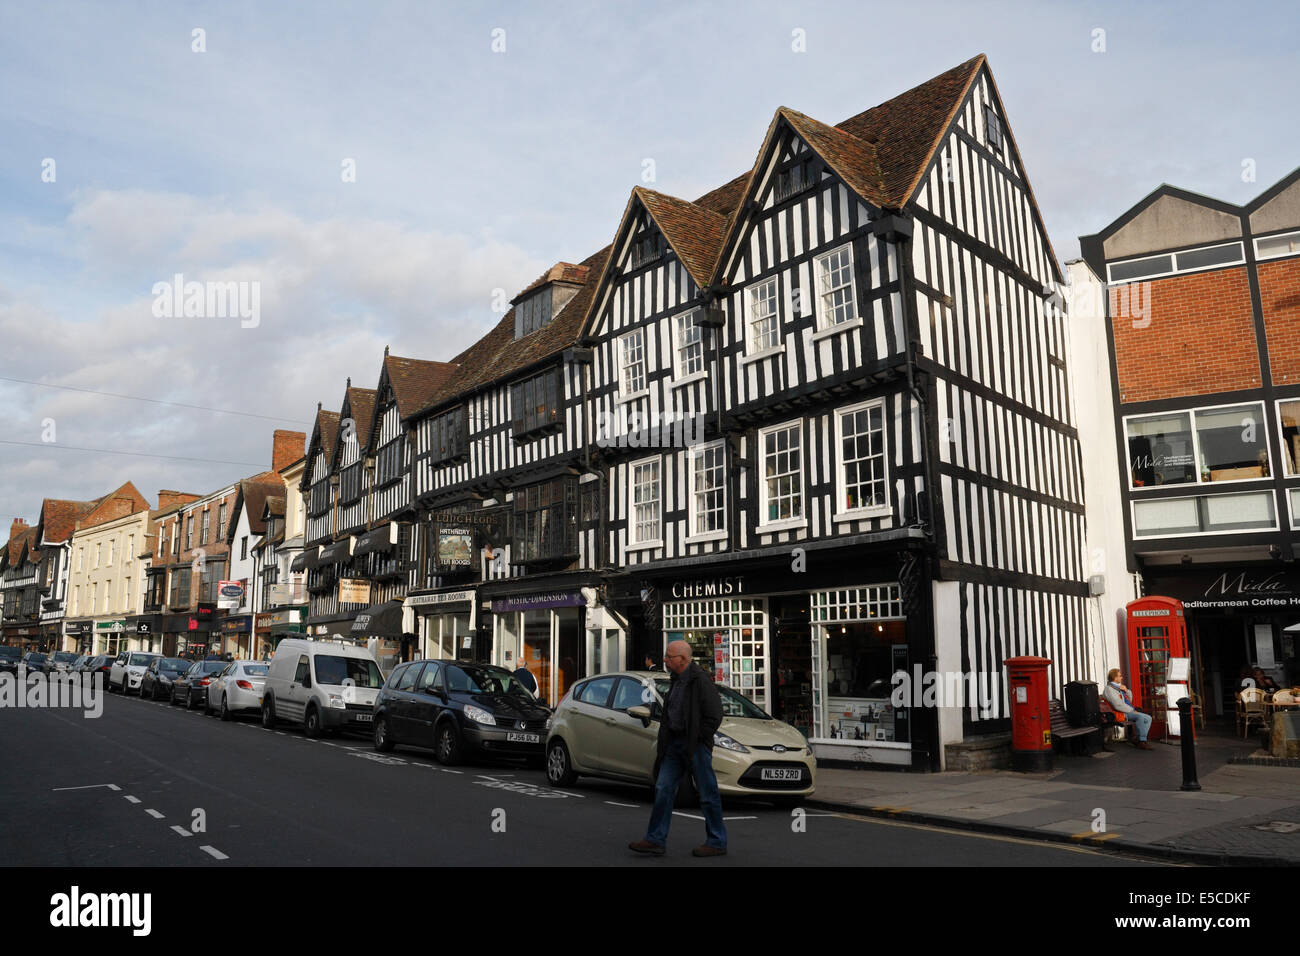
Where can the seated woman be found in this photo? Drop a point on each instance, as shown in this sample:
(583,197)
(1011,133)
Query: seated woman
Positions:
(1263,681)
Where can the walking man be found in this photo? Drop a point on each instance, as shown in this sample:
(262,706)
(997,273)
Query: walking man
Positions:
(1118,696)
(692,714)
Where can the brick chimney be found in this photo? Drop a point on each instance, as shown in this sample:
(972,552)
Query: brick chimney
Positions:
(17,527)
(167,499)
(287,447)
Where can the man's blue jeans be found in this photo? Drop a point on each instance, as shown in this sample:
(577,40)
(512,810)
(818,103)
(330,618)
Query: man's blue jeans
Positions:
(1141,722)
(676,764)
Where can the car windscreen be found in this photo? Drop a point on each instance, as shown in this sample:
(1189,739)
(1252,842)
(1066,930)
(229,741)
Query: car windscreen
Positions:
(254,670)
(335,670)
(737,705)
(140,660)
(213,667)
(65,657)
(174,665)
(37,658)
(482,680)
(11,653)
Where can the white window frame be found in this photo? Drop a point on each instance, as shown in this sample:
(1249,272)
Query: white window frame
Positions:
(694,534)
(112,551)
(795,521)
(1196,446)
(624,342)
(1173,260)
(752,347)
(841,513)
(823,322)
(634,541)
(680,374)
(1137,539)
(1277,235)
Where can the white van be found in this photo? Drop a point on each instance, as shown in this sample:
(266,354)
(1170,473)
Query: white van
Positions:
(322,685)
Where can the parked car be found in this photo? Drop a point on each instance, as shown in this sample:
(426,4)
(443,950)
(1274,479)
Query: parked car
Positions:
(60,662)
(239,688)
(35,662)
(457,709)
(191,686)
(160,675)
(77,666)
(608,726)
(10,657)
(101,664)
(322,686)
(128,670)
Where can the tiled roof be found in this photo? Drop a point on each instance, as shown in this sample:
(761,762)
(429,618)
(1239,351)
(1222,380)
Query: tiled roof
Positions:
(415,382)
(274,507)
(59,517)
(328,423)
(905,130)
(254,493)
(852,159)
(695,233)
(361,406)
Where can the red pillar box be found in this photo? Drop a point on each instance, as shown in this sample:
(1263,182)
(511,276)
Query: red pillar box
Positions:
(1031,724)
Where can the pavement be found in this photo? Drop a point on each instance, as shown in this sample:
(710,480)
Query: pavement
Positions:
(1123,799)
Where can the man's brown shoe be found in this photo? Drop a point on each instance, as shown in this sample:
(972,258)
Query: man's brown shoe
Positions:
(1143,745)
(707,850)
(645,846)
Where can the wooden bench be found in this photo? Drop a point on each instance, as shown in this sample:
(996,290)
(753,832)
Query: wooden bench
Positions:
(1070,737)
(1110,717)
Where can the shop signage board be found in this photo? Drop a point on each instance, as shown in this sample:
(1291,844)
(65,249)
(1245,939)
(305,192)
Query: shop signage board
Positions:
(117,627)
(708,587)
(230,594)
(1241,587)
(278,618)
(444,597)
(536,602)
(354,591)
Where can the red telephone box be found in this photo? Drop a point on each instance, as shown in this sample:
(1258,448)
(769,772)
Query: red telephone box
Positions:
(1156,631)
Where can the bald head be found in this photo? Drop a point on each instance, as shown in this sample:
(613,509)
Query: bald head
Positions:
(678,656)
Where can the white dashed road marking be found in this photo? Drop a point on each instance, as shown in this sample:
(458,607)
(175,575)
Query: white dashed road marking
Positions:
(131,799)
(214,852)
(155,814)
(614,803)
(182,831)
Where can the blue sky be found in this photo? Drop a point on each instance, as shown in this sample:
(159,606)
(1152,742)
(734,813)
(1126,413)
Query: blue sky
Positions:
(477,169)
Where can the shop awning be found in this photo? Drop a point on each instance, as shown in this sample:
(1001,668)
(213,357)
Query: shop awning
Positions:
(379,620)
(381,539)
(336,552)
(305,561)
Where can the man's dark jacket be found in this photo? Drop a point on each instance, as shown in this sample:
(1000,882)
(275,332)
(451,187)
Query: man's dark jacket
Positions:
(702,714)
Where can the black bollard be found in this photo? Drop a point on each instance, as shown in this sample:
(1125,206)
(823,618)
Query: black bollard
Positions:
(1189,745)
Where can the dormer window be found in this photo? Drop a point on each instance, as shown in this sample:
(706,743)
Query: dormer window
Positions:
(794,180)
(533,313)
(645,249)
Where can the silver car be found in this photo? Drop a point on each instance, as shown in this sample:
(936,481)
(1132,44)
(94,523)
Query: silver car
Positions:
(238,688)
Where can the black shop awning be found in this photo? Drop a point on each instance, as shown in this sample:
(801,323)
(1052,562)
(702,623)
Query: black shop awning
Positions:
(379,620)
(381,539)
(336,552)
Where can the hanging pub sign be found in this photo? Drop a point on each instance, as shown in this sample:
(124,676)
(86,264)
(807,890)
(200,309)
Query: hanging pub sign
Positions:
(354,591)
(459,536)
(230,594)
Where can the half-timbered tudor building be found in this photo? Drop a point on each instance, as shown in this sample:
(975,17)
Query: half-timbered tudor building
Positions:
(19,587)
(281,606)
(507,495)
(319,494)
(831,401)
(1198,346)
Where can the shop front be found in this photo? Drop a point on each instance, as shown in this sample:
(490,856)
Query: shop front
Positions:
(544,633)
(236,637)
(271,627)
(147,629)
(382,627)
(25,636)
(113,637)
(1238,618)
(189,635)
(821,657)
(79,637)
(446,623)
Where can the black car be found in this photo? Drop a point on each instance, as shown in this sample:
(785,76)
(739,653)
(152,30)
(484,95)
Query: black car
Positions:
(160,675)
(60,662)
(9,658)
(192,685)
(36,662)
(457,709)
(101,664)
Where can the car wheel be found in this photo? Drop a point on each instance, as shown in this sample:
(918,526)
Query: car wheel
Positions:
(559,768)
(447,745)
(311,723)
(207,704)
(268,714)
(189,699)
(225,711)
(383,742)
(172,699)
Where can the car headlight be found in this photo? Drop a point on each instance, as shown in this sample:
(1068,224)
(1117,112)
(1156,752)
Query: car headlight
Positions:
(726,743)
(336,700)
(549,719)
(479,715)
